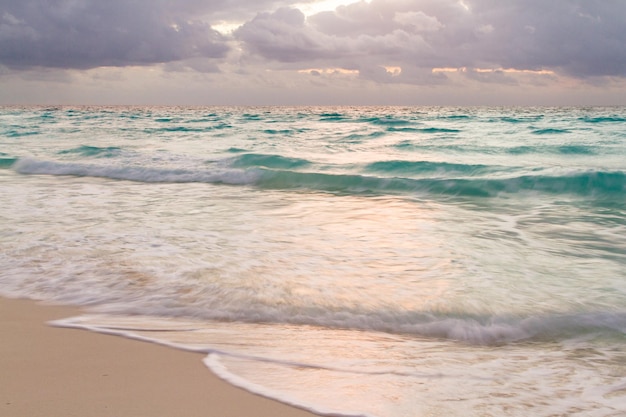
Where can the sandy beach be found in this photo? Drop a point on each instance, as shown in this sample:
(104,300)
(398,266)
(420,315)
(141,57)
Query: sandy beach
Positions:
(49,371)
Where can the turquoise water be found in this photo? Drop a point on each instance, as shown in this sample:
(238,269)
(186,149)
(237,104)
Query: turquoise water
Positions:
(377,261)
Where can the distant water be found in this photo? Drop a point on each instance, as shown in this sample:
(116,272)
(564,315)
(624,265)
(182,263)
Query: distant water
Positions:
(380,261)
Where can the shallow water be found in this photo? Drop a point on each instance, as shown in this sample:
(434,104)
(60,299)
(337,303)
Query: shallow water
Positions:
(361,261)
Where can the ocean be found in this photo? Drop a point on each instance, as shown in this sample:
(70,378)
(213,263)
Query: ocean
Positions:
(353,261)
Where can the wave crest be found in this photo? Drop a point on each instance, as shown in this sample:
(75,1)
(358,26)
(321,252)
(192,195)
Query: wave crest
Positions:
(275,172)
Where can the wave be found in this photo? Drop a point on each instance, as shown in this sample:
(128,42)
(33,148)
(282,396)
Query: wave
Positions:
(187,129)
(385,121)
(562,150)
(603,119)
(332,117)
(86,150)
(497,330)
(426,167)
(592,184)
(494,330)
(550,131)
(252,117)
(423,129)
(521,119)
(282,132)
(470,328)
(359,138)
(274,172)
(19,133)
(235,150)
(7,162)
(269,161)
(134,173)
(457,117)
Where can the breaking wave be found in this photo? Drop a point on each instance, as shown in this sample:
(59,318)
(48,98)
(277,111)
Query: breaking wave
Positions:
(277,172)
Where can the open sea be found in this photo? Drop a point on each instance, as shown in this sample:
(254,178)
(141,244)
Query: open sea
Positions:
(353,261)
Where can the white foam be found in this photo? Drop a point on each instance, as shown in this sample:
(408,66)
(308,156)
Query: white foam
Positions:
(212,360)
(334,372)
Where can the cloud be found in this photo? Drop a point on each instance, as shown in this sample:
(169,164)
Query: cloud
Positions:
(418,21)
(576,38)
(282,36)
(286,36)
(91,33)
(581,39)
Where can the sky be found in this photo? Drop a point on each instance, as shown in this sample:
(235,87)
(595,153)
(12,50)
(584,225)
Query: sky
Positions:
(313,52)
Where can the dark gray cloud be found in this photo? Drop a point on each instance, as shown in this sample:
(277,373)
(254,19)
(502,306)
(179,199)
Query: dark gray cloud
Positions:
(91,33)
(579,38)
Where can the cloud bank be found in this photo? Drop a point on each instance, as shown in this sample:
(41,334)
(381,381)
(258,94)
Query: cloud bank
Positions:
(414,42)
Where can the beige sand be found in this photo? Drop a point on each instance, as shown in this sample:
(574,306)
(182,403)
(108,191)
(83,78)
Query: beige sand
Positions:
(56,372)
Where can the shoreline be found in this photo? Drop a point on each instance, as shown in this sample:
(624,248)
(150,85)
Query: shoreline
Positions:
(54,371)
